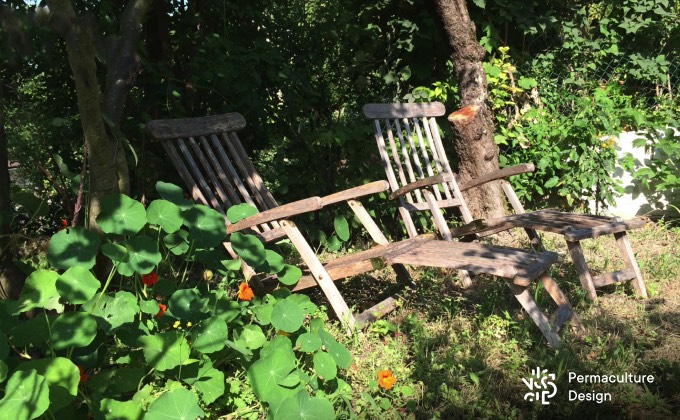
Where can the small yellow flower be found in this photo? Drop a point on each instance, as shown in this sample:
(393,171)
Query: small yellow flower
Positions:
(189,324)
(176,325)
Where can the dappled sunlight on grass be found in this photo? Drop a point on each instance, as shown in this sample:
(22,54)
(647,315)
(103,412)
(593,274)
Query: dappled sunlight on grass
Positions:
(465,352)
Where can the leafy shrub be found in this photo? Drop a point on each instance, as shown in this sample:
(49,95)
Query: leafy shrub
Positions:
(160,337)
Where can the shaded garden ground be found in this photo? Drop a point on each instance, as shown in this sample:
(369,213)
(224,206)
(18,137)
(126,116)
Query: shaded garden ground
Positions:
(462,352)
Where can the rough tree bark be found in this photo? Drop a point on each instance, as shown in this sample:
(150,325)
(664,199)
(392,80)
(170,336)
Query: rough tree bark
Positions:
(472,125)
(101,114)
(11,278)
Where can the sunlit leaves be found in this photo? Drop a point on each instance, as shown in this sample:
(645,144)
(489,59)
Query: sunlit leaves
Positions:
(121,215)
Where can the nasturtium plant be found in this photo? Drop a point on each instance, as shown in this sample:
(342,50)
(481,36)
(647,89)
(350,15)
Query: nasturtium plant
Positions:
(121,215)
(165,214)
(72,247)
(160,327)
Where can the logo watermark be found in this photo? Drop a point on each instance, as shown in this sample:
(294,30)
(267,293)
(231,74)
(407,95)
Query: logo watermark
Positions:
(541,386)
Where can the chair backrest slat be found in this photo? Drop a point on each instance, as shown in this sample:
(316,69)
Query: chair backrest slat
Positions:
(406,156)
(249,168)
(396,160)
(185,174)
(208,171)
(416,152)
(233,196)
(199,179)
(213,163)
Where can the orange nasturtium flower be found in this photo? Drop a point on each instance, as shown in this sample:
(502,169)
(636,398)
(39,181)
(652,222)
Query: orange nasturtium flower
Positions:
(64,224)
(84,377)
(150,279)
(245,292)
(161,310)
(386,379)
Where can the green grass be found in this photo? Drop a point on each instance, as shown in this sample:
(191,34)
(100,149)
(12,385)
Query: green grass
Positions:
(459,352)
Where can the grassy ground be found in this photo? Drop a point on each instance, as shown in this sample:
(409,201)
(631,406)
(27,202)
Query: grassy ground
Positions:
(460,352)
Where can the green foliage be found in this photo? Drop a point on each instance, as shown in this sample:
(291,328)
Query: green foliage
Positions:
(162,344)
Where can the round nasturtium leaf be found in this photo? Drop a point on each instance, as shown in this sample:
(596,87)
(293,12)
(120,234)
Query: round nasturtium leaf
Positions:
(39,291)
(249,248)
(176,404)
(165,350)
(308,343)
(73,329)
(77,285)
(173,194)
(26,396)
(121,409)
(211,335)
(185,304)
(342,356)
(302,406)
(115,252)
(113,311)
(290,275)
(73,246)
(324,366)
(275,261)
(341,227)
(206,226)
(62,377)
(287,316)
(208,381)
(265,374)
(177,242)
(143,256)
(253,337)
(164,214)
(240,211)
(121,215)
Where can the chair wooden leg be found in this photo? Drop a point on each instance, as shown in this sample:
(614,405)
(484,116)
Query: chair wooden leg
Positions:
(523,295)
(581,265)
(320,275)
(562,302)
(630,261)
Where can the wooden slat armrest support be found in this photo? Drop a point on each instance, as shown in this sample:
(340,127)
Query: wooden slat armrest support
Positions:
(356,192)
(277,213)
(499,174)
(469,228)
(422,183)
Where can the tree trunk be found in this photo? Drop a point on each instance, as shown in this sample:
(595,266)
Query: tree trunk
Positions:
(11,278)
(472,125)
(107,162)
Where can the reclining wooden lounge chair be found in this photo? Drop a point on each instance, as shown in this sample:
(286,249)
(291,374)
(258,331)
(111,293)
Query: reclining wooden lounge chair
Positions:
(410,145)
(213,163)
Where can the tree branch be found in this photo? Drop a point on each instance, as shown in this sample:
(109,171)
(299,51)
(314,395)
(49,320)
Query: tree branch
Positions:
(123,61)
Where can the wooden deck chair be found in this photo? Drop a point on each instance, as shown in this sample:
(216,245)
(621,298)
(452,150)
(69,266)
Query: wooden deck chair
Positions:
(213,163)
(420,176)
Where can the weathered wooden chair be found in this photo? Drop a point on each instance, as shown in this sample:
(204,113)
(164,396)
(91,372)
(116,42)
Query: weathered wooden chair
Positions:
(413,155)
(215,167)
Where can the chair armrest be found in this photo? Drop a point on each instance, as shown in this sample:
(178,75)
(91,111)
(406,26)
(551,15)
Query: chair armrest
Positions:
(501,173)
(356,192)
(469,228)
(421,183)
(280,212)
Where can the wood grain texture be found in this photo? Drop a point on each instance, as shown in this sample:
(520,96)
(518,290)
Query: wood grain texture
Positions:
(614,277)
(431,109)
(356,192)
(195,127)
(421,183)
(277,213)
(631,263)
